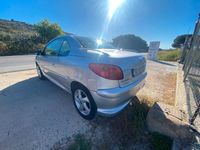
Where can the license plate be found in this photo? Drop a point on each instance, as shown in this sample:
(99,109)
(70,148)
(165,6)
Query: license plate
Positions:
(137,71)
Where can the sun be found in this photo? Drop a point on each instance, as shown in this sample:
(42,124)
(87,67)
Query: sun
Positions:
(113,6)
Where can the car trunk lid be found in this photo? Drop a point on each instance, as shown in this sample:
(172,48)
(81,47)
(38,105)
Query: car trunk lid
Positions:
(132,64)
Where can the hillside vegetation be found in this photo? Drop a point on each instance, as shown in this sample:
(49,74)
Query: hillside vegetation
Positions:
(21,38)
(17,38)
(14,35)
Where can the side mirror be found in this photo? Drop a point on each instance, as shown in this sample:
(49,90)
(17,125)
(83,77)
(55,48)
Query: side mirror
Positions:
(38,52)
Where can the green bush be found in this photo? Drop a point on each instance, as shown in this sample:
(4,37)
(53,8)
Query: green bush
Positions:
(131,42)
(48,31)
(169,55)
(3,47)
(18,38)
(5,36)
(160,142)
(20,47)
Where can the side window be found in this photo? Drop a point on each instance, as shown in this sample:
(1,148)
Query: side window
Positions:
(52,49)
(65,48)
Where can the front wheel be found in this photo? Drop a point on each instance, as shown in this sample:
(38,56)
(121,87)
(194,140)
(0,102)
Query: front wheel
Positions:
(84,102)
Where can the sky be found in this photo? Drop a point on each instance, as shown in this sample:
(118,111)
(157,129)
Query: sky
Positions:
(152,20)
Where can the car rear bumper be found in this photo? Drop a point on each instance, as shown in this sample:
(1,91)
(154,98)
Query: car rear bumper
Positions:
(112,101)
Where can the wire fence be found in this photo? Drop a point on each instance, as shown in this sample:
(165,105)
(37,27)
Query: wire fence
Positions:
(191,60)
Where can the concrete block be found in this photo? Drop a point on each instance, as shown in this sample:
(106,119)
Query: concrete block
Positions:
(171,121)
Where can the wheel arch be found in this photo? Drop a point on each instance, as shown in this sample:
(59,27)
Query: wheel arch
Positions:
(93,105)
(76,83)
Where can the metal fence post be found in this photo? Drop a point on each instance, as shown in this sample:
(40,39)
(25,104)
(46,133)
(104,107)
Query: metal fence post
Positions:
(197,111)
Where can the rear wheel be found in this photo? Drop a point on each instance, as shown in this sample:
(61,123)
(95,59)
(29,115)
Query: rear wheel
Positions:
(84,102)
(39,72)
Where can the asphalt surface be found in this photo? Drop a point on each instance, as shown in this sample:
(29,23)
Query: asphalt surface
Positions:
(35,114)
(19,63)
(16,63)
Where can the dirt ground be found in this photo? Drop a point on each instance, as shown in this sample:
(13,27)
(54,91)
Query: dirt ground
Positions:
(160,82)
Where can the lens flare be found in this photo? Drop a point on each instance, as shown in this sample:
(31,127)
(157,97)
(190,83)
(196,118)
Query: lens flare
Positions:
(99,42)
(113,6)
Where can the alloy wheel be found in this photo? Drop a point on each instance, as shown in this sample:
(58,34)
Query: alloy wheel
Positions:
(82,102)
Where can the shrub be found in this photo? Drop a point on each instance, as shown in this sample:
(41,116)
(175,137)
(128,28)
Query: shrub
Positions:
(3,47)
(20,47)
(48,31)
(18,38)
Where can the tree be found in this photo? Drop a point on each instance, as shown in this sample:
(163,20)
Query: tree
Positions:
(179,40)
(48,31)
(130,41)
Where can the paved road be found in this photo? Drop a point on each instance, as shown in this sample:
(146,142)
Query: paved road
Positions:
(16,63)
(19,63)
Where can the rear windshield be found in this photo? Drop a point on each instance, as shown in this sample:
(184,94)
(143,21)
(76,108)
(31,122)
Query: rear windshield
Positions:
(90,43)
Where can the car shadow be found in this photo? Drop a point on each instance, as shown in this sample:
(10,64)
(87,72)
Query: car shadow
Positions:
(35,114)
(36,110)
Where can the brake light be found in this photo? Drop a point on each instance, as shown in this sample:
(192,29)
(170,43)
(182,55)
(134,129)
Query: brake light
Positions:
(107,71)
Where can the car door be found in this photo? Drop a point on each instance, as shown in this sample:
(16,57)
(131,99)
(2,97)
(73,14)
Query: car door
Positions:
(62,65)
(49,57)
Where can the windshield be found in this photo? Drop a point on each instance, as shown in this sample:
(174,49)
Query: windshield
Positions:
(94,44)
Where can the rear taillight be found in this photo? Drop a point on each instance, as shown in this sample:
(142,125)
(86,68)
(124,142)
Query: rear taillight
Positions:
(107,71)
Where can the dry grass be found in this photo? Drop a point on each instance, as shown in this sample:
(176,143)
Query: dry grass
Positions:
(169,55)
(127,130)
(160,84)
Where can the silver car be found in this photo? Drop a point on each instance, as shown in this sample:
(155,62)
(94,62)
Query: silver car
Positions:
(102,79)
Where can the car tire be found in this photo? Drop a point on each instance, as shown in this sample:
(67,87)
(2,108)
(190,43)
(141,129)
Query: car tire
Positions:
(39,72)
(85,93)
